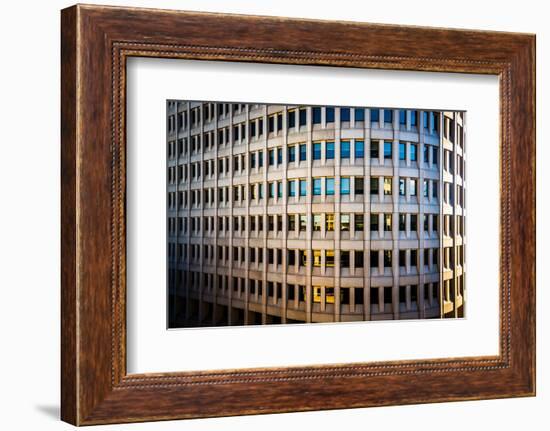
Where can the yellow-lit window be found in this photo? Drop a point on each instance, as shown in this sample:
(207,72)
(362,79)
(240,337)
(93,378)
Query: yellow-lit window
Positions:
(316,291)
(317,222)
(317,258)
(387,185)
(329,258)
(329,221)
(329,295)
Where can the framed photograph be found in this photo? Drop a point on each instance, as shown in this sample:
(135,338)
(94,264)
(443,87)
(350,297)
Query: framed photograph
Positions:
(264,214)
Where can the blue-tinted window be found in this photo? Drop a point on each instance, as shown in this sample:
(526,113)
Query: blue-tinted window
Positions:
(413,152)
(271,157)
(414,118)
(303,187)
(303,152)
(252,160)
(374,115)
(316,151)
(291,154)
(316,115)
(344,114)
(387,149)
(291,188)
(279,156)
(344,186)
(261,191)
(359,149)
(388,116)
(359,114)
(280,189)
(303,117)
(291,119)
(330,150)
(330,115)
(344,149)
(260,159)
(425,120)
(402,117)
(271,124)
(329,186)
(402,151)
(316,186)
(271,190)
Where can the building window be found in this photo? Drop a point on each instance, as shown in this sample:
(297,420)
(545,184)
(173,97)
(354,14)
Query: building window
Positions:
(414,222)
(291,221)
(316,115)
(374,223)
(271,155)
(344,258)
(402,187)
(359,223)
(387,186)
(358,183)
(374,258)
(426,189)
(303,117)
(260,159)
(344,149)
(375,115)
(374,186)
(316,151)
(344,222)
(329,222)
(344,115)
(303,152)
(303,187)
(374,149)
(271,189)
(291,117)
(388,116)
(329,115)
(279,156)
(402,150)
(329,258)
(414,118)
(387,259)
(317,258)
(358,259)
(359,149)
(412,186)
(402,117)
(330,150)
(329,186)
(387,222)
(292,154)
(291,188)
(317,222)
(316,186)
(388,150)
(359,115)
(271,124)
(402,222)
(344,186)
(413,152)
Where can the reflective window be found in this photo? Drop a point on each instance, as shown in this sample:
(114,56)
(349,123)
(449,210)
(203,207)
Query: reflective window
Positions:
(344,222)
(303,187)
(330,150)
(387,149)
(316,115)
(359,149)
(303,152)
(316,151)
(316,186)
(344,149)
(344,186)
(329,186)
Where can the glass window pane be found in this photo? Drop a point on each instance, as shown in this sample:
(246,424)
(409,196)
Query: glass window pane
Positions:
(316,115)
(329,115)
(303,152)
(344,149)
(316,151)
(387,186)
(387,149)
(329,186)
(374,115)
(303,187)
(388,116)
(359,114)
(291,188)
(344,186)
(402,150)
(330,150)
(344,222)
(359,149)
(316,186)
(344,114)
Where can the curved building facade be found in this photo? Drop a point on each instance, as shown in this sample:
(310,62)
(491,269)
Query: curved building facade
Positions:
(298,214)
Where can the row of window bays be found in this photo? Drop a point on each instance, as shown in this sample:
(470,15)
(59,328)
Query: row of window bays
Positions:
(274,120)
(326,190)
(320,225)
(344,152)
(297,294)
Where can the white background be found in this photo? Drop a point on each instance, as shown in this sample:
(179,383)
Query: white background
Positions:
(151,348)
(29,217)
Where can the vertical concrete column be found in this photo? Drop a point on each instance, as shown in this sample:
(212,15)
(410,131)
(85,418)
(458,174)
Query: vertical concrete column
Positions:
(366,212)
(247,220)
(395,215)
(264,216)
(337,213)
(229,285)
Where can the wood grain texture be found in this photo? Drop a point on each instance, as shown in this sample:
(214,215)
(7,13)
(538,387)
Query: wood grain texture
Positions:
(96,41)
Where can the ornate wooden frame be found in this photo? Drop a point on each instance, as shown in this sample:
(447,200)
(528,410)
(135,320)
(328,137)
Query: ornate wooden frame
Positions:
(95,43)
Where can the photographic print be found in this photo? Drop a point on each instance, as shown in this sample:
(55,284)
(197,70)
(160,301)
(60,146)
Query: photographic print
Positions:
(287,214)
